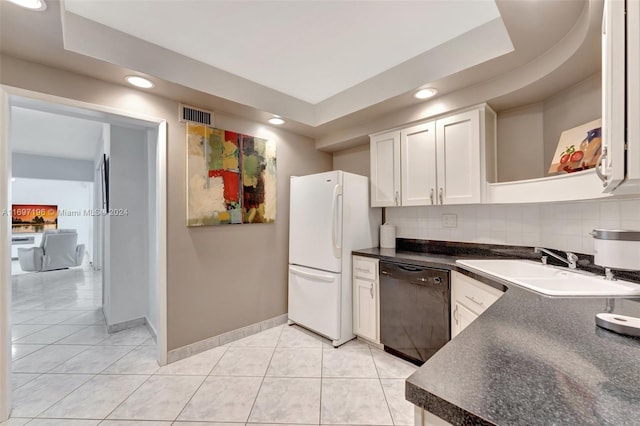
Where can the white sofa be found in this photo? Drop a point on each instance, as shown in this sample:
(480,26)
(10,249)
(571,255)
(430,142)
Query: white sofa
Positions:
(59,249)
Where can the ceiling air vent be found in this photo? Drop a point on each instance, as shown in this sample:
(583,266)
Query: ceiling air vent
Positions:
(195,115)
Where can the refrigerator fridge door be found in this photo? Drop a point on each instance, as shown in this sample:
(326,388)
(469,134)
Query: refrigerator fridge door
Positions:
(314,300)
(315,221)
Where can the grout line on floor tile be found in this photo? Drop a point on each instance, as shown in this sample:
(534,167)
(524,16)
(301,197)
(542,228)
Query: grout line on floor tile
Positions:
(264,376)
(201,384)
(59,364)
(66,395)
(24,344)
(218,361)
(126,399)
(393,420)
(197,389)
(27,382)
(133,348)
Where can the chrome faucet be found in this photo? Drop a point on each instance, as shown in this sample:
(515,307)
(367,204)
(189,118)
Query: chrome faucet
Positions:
(571,260)
(609,275)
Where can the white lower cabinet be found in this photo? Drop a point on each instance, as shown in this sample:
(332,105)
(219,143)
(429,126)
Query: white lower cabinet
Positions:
(366,303)
(469,298)
(461,317)
(425,418)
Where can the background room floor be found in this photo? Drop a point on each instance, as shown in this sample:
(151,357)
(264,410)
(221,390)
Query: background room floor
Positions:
(69,371)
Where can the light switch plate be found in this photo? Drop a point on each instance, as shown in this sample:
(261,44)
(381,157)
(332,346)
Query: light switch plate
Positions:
(449,221)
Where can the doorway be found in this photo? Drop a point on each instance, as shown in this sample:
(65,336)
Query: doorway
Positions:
(152,133)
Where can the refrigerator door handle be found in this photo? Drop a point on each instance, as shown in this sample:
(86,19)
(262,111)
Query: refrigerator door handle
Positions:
(337,249)
(320,277)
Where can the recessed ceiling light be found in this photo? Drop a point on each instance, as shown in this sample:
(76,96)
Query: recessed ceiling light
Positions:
(276,121)
(139,81)
(13,179)
(37,5)
(425,93)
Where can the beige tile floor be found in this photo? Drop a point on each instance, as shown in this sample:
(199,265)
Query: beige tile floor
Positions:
(69,371)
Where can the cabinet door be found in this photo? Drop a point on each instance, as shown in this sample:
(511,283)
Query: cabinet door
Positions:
(613,95)
(364,309)
(418,159)
(633,94)
(461,318)
(385,170)
(458,152)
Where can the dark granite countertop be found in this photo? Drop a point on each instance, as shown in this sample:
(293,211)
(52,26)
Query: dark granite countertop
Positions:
(424,259)
(530,359)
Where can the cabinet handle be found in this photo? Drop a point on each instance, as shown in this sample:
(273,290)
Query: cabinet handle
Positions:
(474,300)
(371,290)
(431,196)
(396,198)
(455,314)
(601,175)
(441,196)
(362,269)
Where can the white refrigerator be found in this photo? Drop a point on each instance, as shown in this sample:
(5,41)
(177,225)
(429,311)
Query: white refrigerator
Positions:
(329,217)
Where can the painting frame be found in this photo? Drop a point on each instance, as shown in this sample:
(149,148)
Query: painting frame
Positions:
(231,177)
(33,218)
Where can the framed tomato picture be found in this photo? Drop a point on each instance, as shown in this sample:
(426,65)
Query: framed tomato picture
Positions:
(578,149)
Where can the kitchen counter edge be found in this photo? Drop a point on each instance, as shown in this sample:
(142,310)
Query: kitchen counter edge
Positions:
(419,388)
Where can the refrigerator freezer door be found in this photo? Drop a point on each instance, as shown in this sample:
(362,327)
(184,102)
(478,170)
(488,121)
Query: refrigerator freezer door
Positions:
(314,300)
(315,221)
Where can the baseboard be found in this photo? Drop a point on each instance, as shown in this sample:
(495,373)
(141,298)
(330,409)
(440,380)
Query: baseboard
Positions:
(222,339)
(125,325)
(371,343)
(106,317)
(152,331)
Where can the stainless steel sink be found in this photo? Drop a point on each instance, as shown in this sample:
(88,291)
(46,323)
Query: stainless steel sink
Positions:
(551,280)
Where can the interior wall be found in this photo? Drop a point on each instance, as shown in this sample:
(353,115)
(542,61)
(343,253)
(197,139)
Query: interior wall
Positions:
(128,281)
(528,136)
(238,271)
(520,153)
(353,160)
(73,198)
(218,278)
(45,167)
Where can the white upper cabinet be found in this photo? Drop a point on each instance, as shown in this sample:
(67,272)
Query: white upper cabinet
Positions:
(458,155)
(442,161)
(385,169)
(418,158)
(620,161)
(618,170)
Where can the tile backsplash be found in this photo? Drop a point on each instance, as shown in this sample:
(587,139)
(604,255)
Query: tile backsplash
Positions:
(562,226)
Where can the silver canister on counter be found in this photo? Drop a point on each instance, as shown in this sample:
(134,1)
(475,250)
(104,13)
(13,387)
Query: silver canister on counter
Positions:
(617,249)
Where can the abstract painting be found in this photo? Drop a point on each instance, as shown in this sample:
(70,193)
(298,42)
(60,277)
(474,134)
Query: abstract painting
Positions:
(231,177)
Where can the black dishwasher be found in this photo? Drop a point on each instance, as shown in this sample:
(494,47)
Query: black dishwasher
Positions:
(414,310)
